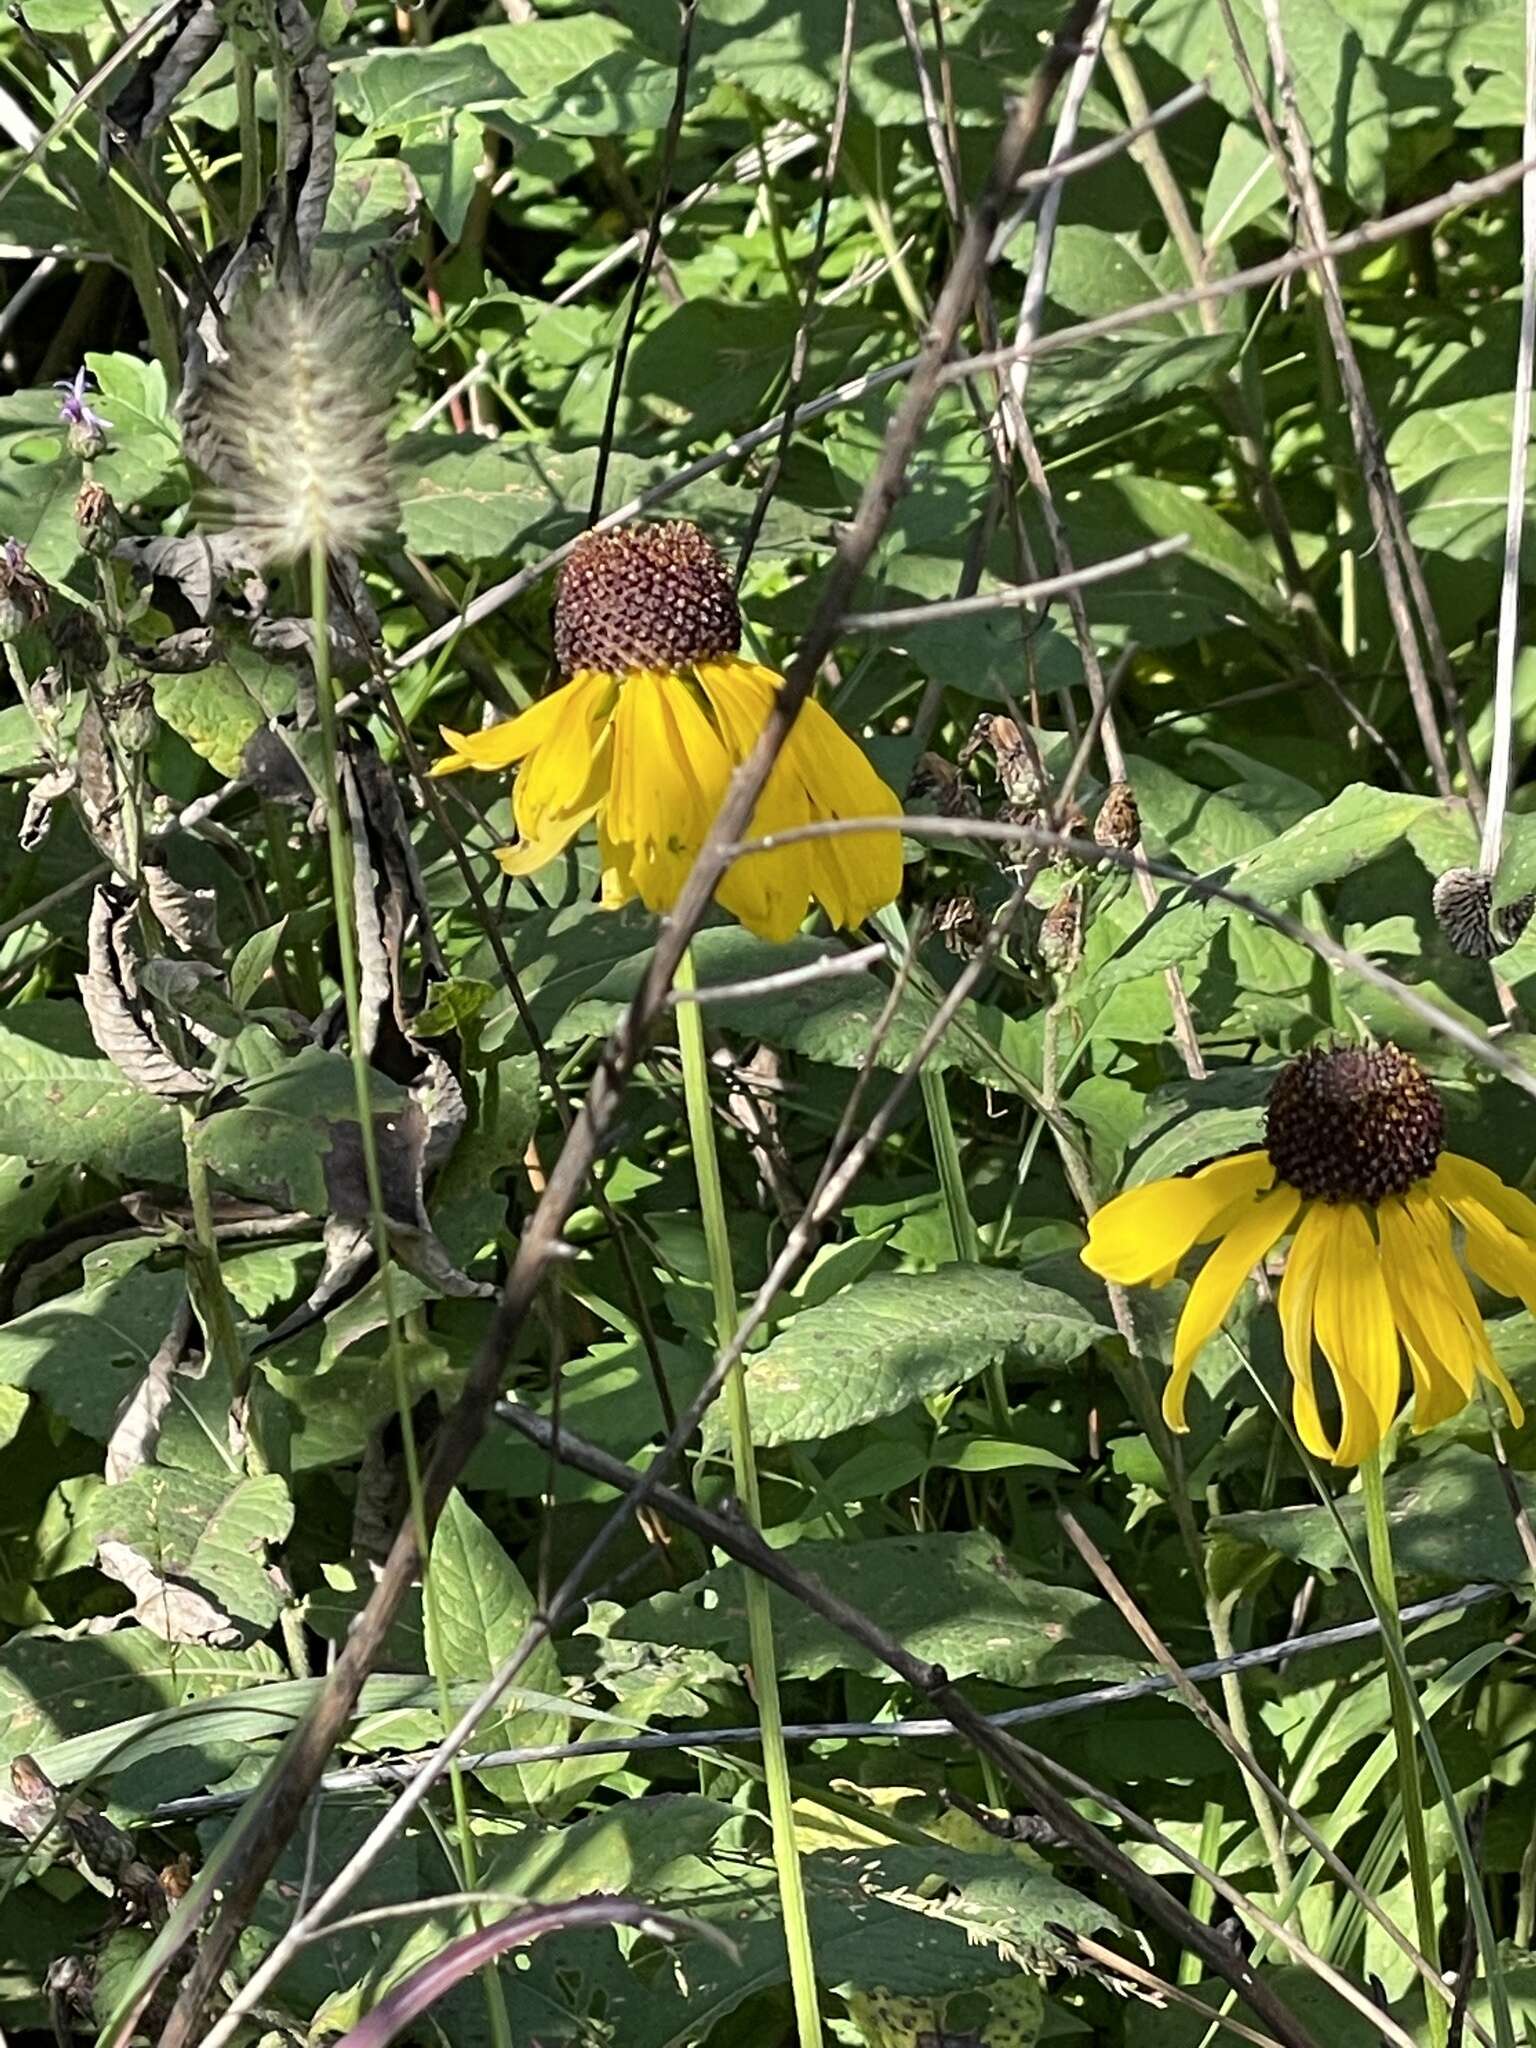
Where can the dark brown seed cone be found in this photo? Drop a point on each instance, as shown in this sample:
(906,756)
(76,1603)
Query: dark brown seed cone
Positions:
(1465,912)
(1119,820)
(1350,1125)
(644,597)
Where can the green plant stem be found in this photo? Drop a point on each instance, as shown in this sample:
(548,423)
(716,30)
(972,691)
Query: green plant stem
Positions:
(250,138)
(786,1853)
(1378,1536)
(339,846)
(134,231)
(1201,1896)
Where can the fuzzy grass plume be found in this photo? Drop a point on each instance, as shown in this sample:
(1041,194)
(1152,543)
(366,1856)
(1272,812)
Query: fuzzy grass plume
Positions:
(291,426)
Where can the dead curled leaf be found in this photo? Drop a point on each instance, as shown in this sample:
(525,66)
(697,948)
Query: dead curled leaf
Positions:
(119,1019)
(175,1613)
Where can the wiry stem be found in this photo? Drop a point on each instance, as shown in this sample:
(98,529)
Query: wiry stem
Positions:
(765,1676)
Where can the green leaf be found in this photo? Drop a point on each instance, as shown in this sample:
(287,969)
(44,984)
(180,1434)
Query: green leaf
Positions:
(83,1352)
(201,1531)
(955,1598)
(60,1102)
(53,1688)
(895,1338)
(216,709)
(478,1610)
(1448,1512)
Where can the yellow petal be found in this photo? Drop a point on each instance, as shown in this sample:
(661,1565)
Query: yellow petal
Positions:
(1503,1261)
(1148,1229)
(535,851)
(1357,1334)
(852,876)
(1258,1229)
(1459,1179)
(1424,1285)
(499,746)
(668,776)
(769,892)
(567,773)
(1298,1301)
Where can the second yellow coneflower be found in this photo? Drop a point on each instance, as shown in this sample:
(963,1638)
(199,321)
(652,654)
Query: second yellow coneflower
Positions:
(656,710)
(1353,1164)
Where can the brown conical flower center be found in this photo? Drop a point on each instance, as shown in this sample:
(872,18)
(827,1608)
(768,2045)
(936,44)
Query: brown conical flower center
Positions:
(647,597)
(1348,1125)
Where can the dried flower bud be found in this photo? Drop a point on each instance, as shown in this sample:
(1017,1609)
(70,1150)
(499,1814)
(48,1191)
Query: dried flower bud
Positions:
(961,924)
(1061,935)
(1016,767)
(96,520)
(23,593)
(131,715)
(940,783)
(1119,821)
(1473,926)
(78,643)
(1072,823)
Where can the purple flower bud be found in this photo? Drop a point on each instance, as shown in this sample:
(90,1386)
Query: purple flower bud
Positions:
(87,429)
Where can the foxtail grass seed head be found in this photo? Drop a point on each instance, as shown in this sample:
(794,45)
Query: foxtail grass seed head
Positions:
(1472,924)
(292,424)
(650,598)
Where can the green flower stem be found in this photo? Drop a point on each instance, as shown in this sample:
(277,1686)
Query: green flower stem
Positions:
(786,1853)
(1201,1896)
(967,1241)
(339,845)
(1378,1536)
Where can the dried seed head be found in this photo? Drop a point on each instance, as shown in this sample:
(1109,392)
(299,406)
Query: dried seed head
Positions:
(1465,912)
(96,520)
(291,425)
(23,593)
(1350,1125)
(1119,820)
(940,783)
(644,597)
(1061,935)
(961,923)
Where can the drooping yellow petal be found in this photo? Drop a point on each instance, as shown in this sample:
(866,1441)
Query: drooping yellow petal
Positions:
(1147,1230)
(1424,1284)
(769,892)
(1297,1302)
(536,850)
(568,770)
(852,875)
(1503,1261)
(1255,1233)
(500,746)
(1456,1178)
(1356,1333)
(668,776)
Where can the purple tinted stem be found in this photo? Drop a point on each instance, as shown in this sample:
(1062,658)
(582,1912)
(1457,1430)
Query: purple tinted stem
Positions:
(460,1959)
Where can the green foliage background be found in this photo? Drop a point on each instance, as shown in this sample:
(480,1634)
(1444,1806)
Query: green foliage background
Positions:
(169,1593)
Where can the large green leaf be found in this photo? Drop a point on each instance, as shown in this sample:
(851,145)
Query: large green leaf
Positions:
(200,1531)
(54,1687)
(83,1352)
(958,1599)
(62,1103)
(1449,1515)
(894,1338)
(479,1609)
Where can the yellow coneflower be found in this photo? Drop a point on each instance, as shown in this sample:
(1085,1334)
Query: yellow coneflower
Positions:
(292,425)
(1353,1166)
(656,710)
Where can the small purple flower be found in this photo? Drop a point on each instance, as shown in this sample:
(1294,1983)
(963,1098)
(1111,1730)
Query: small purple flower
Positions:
(73,409)
(13,558)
